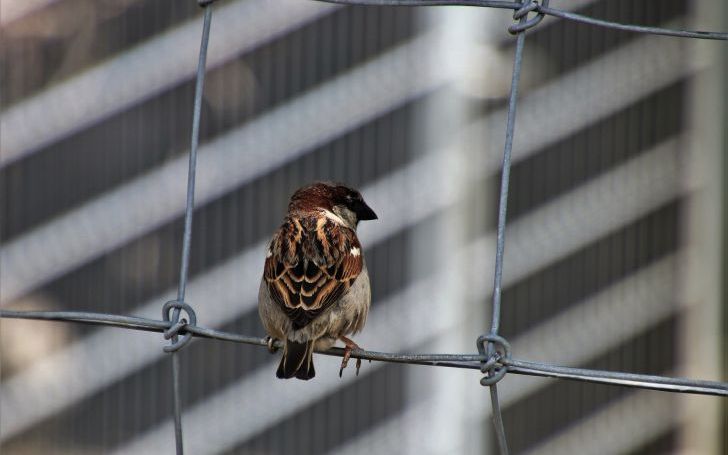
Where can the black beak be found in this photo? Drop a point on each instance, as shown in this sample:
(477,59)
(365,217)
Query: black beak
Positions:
(363,211)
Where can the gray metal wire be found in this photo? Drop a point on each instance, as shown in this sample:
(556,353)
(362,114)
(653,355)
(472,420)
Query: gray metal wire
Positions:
(501,232)
(466,361)
(179,305)
(544,10)
(494,357)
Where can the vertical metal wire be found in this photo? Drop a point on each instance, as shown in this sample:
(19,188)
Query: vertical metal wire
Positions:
(177,404)
(193,154)
(500,239)
(505,181)
(187,237)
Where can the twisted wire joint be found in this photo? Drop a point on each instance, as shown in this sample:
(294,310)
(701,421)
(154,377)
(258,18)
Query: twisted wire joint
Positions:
(178,325)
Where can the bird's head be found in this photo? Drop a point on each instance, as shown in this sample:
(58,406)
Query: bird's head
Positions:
(339,202)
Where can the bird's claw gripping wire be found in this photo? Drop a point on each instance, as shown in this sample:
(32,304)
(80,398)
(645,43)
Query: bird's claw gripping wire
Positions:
(270,343)
(350,346)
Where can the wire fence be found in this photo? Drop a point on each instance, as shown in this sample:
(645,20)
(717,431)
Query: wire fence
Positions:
(494,359)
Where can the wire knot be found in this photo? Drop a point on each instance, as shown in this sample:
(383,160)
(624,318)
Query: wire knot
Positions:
(496,348)
(178,325)
(521,15)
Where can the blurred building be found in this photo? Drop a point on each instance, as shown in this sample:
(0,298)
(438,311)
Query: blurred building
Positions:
(614,252)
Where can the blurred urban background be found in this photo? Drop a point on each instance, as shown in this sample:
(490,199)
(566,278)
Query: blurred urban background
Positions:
(615,242)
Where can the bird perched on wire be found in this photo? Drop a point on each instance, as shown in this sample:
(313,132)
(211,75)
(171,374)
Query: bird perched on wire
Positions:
(315,287)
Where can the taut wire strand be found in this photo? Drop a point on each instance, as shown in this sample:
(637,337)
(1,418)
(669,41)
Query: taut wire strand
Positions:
(466,361)
(179,305)
(544,10)
(501,230)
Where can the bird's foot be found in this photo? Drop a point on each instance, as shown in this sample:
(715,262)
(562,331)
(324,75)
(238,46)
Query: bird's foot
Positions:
(350,346)
(270,343)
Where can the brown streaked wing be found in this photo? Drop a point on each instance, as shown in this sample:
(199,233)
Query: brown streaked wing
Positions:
(322,269)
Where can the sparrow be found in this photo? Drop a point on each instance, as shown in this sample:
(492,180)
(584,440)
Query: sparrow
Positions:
(315,286)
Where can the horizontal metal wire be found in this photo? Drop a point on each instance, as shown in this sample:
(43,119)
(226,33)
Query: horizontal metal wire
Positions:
(543,10)
(643,381)
(468,361)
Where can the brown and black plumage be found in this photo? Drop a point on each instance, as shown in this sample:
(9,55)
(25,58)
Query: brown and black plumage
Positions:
(315,286)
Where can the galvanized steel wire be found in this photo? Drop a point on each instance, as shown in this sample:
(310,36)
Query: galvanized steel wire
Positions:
(494,358)
(179,305)
(466,361)
(542,9)
(493,374)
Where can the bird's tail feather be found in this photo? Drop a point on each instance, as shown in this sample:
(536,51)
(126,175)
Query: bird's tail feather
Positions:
(297,361)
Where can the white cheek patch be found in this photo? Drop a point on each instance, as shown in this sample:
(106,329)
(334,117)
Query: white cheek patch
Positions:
(355,251)
(268,253)
(334,217)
